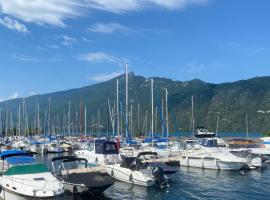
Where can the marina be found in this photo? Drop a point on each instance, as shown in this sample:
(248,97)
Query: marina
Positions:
(134,100)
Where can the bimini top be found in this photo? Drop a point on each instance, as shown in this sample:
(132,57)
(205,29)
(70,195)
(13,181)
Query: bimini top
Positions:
(11,153)
(16,160)
(68,159)
(105,147)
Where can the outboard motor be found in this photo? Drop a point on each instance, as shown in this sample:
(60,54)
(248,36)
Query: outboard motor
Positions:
(158,173)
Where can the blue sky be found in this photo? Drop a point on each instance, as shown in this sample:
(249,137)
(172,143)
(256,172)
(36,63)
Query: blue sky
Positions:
(55,45)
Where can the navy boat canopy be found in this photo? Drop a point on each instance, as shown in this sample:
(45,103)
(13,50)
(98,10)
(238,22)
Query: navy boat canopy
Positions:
(105,147)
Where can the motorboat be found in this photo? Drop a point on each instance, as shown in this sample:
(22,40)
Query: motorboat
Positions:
(26,179)
(205,154)
(203,132)
(135,171)
(77,177)
(103,152)
(54,147)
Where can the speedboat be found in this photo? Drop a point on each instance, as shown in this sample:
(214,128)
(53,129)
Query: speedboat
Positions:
(203,132)
(77,177)
(205,154)
(134,171)
(103,152)
(25,179)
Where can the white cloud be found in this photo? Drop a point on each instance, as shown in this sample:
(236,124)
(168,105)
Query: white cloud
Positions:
(49,12)
(87,40)
(32,93)
(109,28)
(105,77)
(12,96)
(195,69)
(122,6)
(13,24)
(68,41)
(100,57)
(55,12)
(33,59)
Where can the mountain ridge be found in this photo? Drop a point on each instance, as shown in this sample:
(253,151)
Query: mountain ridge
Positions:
(233,100)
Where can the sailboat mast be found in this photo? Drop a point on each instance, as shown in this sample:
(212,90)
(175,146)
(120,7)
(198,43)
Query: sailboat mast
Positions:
(69,118)
(192,115)
(152,110)
(166,112)
(85,124)
(247,126)
(126,100)
(117,107)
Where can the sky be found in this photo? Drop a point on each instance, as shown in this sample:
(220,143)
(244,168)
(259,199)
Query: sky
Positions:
(55,45)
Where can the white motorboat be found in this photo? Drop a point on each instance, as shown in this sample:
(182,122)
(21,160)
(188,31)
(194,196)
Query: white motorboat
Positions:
(207,155)
(132,170)
(26,180)
(103,152)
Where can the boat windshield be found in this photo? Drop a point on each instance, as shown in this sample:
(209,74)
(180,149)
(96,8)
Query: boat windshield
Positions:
(26,169)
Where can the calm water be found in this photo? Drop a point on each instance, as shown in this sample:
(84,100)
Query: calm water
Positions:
(192,183)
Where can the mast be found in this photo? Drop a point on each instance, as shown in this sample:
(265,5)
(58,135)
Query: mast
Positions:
(192,115)
(117,107)
(126,101)
(38,119)
(49,117)
(152,110)
(85,124)
(247,126)
(166,112)
(162,116)
(217,123)
(131,118)
(69,118)
(98,123)
(138,118)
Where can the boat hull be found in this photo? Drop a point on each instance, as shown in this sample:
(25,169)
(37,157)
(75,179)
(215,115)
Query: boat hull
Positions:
(209,163)
(7,194)
(128,176)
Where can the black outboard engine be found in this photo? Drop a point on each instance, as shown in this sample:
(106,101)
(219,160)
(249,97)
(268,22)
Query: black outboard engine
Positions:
(158,173)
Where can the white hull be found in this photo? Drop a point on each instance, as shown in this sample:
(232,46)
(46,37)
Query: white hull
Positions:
(129,176)
(9,195)
(210,163)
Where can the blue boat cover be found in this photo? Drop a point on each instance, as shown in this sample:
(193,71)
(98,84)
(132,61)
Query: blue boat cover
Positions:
(12,152)
(20,160)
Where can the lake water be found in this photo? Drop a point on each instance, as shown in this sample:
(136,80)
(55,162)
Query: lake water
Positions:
(197,184)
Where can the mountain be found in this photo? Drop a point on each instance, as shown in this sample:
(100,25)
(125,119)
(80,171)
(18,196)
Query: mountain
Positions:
(232,100)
